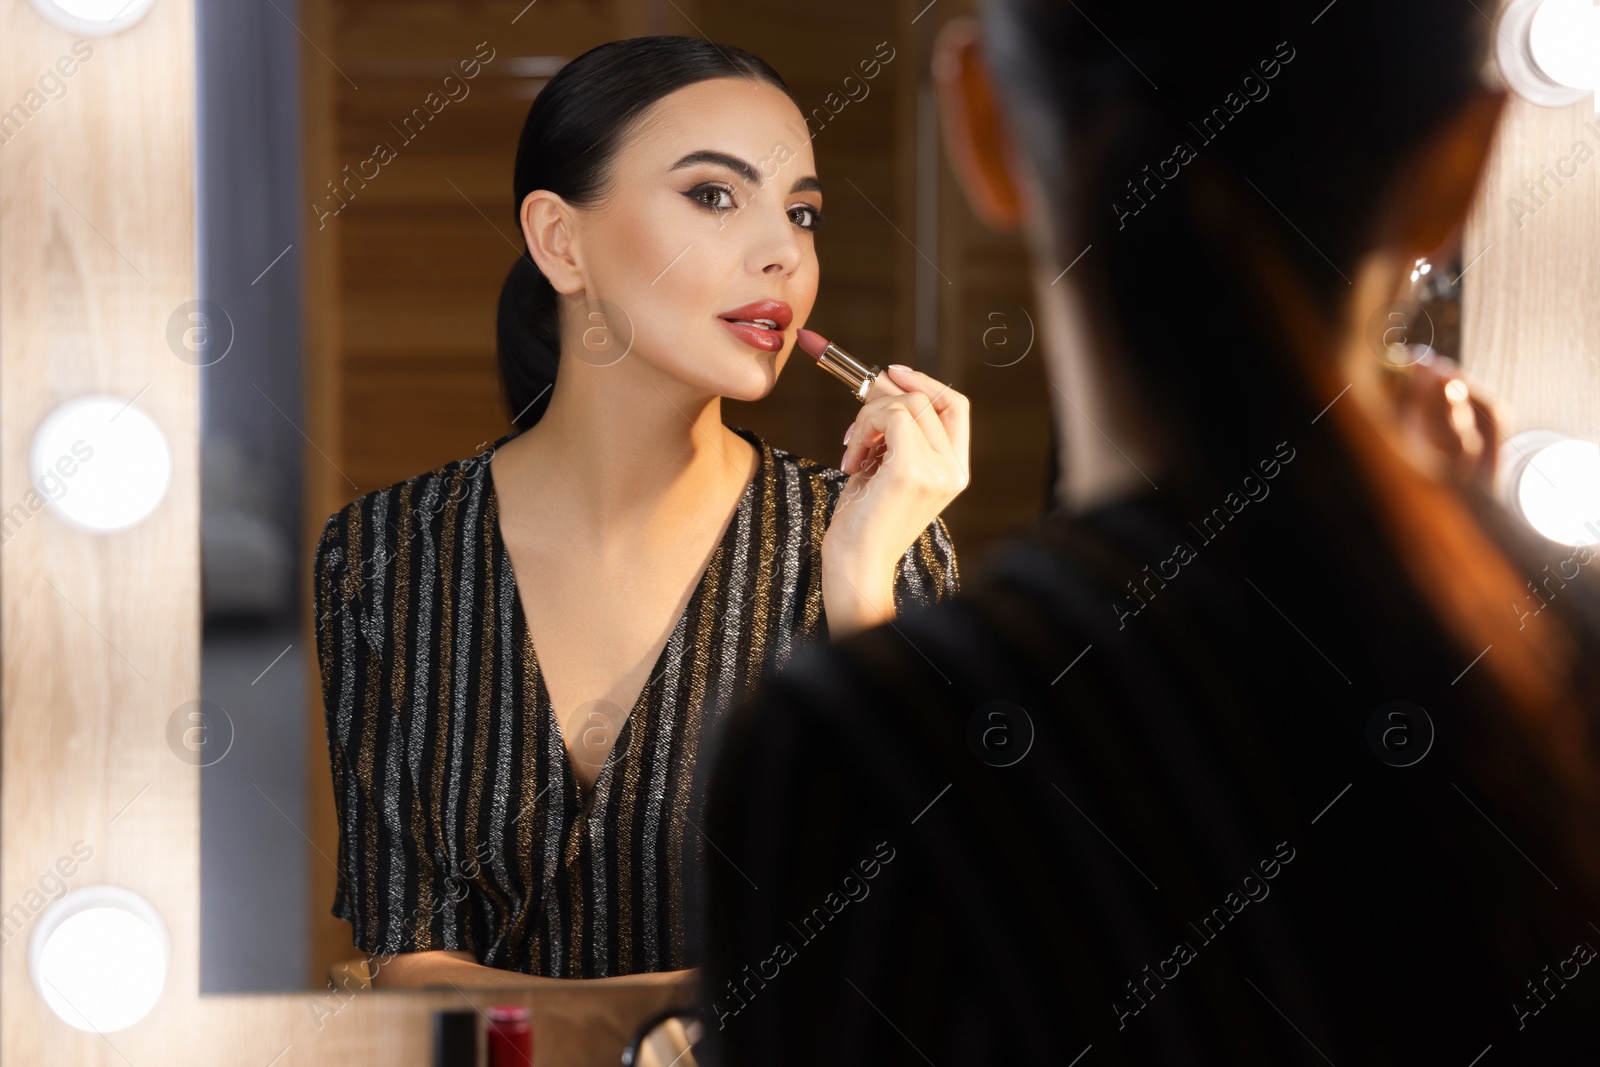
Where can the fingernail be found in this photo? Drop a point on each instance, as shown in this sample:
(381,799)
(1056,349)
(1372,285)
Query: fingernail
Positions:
(898,366)
(848,431)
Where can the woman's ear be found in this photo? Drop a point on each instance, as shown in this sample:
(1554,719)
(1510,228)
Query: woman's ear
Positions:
(550,239)
(976,139)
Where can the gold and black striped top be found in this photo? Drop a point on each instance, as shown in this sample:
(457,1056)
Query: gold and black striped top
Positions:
(461,824)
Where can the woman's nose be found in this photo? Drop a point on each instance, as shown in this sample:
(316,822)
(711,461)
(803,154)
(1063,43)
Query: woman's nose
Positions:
(778,250)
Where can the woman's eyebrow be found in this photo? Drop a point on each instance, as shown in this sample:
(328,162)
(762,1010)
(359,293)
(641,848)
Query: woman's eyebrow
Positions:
(743,169)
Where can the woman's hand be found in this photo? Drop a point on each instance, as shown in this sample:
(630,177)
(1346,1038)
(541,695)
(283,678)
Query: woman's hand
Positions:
(1449,421)
(907,457)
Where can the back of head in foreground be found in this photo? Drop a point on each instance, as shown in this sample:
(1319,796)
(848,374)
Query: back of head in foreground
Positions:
(1197,840)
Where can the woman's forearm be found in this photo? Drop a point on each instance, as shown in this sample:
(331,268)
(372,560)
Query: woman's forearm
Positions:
(416,970)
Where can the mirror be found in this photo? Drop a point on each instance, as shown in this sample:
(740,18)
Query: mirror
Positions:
(667,1039)
(344,341)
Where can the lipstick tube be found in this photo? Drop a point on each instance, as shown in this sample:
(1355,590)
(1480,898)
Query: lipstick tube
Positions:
(849,370)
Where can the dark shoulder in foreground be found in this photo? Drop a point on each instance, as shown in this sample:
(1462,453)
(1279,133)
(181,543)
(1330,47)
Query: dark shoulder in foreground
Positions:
(1043,817)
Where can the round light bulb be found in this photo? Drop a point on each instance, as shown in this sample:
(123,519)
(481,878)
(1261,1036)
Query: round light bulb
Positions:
(99,957)
(100,463)
(1549,50)
(1553,481)
(1564,38)
(97,17)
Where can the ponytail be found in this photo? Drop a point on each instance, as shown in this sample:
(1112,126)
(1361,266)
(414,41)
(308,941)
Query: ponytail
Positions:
(528,340)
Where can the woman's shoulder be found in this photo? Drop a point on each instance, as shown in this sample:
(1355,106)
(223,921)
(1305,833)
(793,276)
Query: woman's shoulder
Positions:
(806,474)
(360,542)
(426,492)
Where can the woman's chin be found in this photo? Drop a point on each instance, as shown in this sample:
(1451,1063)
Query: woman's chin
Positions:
(750,379)
(748,391)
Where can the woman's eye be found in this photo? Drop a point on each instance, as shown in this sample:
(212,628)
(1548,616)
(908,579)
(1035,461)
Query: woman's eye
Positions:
(806,209)
(719,199)
(698,195)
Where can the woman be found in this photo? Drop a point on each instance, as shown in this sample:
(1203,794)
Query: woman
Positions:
(503,809)
(1261,750)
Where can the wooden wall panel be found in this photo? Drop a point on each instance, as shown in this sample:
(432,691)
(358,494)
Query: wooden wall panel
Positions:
(1531,301)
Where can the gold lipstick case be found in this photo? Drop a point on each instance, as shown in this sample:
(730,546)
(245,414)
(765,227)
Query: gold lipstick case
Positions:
(849,370)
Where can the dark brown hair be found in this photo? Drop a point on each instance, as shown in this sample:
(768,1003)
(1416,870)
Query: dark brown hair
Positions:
(1219,289)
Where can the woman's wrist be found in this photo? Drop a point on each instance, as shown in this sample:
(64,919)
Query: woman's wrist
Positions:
(857,590)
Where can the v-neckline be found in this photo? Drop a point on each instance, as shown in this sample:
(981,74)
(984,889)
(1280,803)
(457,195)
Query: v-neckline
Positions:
(541,693)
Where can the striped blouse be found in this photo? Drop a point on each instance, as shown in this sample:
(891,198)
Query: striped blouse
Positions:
(461,824)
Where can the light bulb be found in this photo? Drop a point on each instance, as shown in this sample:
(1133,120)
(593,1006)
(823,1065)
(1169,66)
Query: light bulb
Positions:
(1553,482)
(1549,50)
(1564,38)
(97,17)
(100,463)
(99,957)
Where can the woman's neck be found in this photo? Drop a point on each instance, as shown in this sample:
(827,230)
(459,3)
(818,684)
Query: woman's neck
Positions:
(620,443)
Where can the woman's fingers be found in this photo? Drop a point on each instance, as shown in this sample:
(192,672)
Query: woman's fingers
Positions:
(950,404)
(882,385)
(941,411)
(1440,409)
(874,437)
(870,424)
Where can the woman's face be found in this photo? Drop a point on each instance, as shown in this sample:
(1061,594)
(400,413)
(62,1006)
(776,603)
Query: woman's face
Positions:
(712,207)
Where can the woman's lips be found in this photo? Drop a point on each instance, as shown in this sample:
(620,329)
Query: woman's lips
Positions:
(755,336)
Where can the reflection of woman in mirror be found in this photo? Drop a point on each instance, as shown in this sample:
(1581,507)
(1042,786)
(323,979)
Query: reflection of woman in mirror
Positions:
(503,809)
(1278,743)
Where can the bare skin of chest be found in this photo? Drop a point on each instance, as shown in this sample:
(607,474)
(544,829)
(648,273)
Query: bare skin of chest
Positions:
(600,609)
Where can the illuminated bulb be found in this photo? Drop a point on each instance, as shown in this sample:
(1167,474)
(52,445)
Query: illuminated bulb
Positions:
(1549,50)
(1553,481)
(100,463)
(93,16)
(1564,38)
(99,957)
